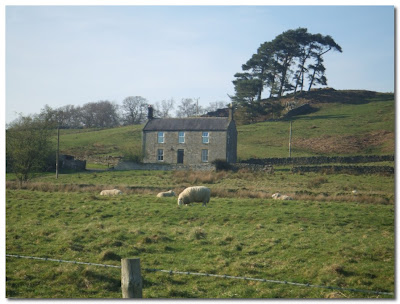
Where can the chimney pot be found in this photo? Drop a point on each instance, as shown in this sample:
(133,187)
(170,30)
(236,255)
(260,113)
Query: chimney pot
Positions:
(231,112)
(150,112)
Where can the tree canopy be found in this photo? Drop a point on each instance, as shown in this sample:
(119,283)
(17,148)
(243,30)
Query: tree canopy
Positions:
(284,65)
(28,147)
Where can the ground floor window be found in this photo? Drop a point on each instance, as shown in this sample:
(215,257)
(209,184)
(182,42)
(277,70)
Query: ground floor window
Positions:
(204,156)
(160,155)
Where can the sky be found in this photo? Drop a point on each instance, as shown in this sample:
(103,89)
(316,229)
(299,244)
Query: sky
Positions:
(61,55)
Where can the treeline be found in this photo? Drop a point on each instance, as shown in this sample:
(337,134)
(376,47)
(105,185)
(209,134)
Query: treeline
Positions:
(107,114)
(291,63)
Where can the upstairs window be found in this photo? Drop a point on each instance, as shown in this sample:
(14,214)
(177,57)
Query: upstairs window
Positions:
(181,137)
(206,138)
(160,137)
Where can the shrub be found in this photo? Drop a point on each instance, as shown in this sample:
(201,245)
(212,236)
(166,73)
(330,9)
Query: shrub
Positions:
(134,154)
(221,165)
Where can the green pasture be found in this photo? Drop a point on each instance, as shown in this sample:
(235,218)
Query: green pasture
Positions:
(310,186)
(271,139)
(266,139)
(342,244)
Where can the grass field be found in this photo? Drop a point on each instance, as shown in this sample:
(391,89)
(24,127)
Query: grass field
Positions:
(347,242)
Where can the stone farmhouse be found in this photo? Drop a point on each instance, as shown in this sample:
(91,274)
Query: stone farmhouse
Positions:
(189,141)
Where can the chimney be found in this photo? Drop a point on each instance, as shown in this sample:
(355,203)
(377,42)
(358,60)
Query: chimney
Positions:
(231,112)
(150,112)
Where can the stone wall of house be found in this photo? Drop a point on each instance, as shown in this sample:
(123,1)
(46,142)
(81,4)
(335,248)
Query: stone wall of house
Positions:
(192,147)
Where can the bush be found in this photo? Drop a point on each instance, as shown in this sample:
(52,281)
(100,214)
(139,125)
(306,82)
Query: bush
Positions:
(221,165)
(133,155)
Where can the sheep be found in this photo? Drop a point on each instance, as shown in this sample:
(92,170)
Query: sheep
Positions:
(194,194)
(166,194)
(111,192)
(281,197)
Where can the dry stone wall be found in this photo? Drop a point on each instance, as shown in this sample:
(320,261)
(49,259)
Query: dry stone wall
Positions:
(316,160)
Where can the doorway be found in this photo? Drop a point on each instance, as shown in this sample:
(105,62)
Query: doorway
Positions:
(180,156)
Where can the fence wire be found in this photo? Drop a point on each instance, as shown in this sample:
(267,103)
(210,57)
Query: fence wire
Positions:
(211,275)
(270,281)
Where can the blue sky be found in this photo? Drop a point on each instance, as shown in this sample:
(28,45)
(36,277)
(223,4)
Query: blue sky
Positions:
(59,55)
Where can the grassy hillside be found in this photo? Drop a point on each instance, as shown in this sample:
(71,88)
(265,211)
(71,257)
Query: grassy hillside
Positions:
(115,142)
(335,129)
(345,126)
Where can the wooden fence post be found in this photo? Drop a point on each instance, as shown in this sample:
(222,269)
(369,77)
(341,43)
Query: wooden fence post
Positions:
(131,278)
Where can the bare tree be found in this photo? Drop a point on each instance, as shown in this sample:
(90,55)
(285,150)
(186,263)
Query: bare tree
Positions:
(164,109)
(134,110)
(188,108)
(102,114)
(214,106)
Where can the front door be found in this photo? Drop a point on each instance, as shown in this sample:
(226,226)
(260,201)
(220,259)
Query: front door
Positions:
(180,156)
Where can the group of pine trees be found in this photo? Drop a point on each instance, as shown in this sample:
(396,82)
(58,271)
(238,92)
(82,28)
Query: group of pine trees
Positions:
(289,63)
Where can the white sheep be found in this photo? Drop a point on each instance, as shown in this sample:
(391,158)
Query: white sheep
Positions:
(281,197)
(194,194)
(111,192)
(166,194)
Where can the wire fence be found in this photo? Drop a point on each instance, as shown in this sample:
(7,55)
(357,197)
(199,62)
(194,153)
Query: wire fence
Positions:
(211,275)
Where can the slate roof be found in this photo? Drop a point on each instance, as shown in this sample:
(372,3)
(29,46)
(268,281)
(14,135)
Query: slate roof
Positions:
(188,124)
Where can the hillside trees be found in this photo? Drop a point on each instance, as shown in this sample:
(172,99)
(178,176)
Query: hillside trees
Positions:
(282,65)
(102,114)
(164,109)
(134,110)
(107,114)
(188,108)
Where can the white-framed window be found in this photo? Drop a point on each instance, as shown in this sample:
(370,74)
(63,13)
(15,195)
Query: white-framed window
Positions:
(206,138)
(204,155)
(181,137)
(160,155)
(160,137)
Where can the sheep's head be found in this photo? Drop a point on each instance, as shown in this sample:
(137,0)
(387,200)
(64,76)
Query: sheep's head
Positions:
(276,195)
(180,201)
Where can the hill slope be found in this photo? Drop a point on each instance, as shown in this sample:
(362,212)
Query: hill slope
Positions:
(344,123)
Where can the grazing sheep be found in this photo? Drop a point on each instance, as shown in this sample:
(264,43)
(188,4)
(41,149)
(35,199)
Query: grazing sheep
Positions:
(281,197)
(194,194)
(111,192)
(166,194)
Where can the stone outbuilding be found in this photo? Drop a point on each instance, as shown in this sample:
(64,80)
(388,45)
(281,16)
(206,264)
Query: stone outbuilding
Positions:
(189,141)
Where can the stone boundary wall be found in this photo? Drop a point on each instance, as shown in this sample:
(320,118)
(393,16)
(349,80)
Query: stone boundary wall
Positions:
(110,161)
(199,167)
(253,167)
(125,165)
(316,160)
(385,170)
(69,162)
